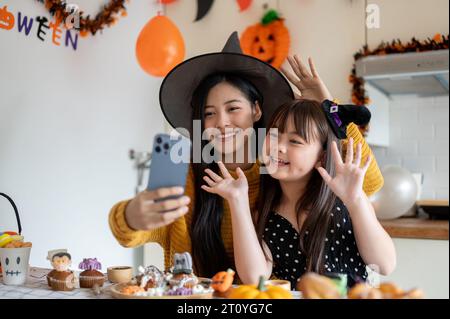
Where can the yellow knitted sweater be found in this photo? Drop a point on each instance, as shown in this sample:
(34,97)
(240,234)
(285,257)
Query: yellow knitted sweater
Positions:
(175,238)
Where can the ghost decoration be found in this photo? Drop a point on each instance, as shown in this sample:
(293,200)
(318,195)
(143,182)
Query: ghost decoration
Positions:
(15,264)
(182,264)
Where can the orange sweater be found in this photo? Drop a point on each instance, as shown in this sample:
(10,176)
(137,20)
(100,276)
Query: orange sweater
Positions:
(175,238)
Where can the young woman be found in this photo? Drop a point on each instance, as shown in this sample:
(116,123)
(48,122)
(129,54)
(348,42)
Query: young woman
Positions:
(310,218)
(226,90)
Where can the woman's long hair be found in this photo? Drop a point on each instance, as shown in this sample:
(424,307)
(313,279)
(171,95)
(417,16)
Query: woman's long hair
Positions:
(208,250)
(318,200)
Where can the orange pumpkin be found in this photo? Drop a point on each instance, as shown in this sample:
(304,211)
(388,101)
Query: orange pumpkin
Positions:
(268,41)
(6,19)
(223,280)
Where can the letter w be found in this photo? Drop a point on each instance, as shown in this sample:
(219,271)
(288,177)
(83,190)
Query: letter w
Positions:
(24,23)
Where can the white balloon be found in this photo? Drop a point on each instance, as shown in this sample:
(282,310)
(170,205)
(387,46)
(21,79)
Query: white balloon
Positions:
(398,195)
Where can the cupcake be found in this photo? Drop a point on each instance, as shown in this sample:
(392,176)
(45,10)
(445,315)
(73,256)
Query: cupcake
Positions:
(91,275)
(61,278)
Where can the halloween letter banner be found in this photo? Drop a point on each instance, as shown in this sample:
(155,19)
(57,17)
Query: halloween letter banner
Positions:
(44,29)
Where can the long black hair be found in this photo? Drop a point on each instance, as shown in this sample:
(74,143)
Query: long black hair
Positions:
(208,250)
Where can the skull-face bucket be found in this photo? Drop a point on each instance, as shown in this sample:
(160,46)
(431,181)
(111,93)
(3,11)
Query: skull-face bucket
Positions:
(15,264)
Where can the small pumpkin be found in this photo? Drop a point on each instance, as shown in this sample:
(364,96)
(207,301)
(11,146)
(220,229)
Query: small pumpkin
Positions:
(268,41)
(223,280)
(259,292)
(6,19)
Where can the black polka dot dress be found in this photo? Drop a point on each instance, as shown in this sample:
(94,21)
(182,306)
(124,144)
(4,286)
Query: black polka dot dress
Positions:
(341,254)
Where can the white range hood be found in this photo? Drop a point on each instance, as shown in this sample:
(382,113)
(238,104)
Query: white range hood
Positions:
(422,73)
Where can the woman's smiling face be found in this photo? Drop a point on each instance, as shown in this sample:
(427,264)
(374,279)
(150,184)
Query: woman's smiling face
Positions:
(228,113)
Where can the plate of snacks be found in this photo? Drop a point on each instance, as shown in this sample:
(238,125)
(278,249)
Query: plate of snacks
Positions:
(177,283)
(314,286)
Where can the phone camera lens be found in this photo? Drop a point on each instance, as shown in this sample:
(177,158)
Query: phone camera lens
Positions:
(158,149)
(166,146)
(159,140)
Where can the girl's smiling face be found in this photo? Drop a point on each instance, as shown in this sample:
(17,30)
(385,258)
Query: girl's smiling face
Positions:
(290,157)
(228,113)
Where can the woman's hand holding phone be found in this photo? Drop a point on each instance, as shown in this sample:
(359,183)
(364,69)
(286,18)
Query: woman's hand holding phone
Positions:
(149,211)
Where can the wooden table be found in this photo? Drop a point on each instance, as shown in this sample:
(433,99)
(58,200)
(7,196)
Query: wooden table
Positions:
(417,228)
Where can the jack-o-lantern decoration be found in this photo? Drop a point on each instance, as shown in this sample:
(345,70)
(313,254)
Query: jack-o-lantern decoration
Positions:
(223,280)
(6,19)
(268,41)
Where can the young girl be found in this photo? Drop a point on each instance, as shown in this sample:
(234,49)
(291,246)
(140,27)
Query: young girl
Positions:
(310,218)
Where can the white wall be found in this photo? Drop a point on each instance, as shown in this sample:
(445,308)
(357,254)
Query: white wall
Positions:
(419,141)
(404,19)
(67,121)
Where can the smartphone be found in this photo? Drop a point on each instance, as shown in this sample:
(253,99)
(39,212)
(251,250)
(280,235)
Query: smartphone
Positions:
(170,163)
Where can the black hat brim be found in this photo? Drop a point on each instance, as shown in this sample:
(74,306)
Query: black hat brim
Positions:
(179,85)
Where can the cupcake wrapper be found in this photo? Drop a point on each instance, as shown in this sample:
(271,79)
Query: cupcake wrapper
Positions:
(61,285)
(91,281)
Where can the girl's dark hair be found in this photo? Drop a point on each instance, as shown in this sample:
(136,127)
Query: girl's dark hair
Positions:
(208,250)
(318,200)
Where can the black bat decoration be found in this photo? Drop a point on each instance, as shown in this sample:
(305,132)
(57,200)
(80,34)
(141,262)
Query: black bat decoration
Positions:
(203,8)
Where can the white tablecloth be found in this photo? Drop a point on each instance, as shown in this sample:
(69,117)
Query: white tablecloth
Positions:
(36,287)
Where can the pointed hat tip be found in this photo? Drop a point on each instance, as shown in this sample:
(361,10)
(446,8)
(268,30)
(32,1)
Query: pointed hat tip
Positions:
(233,45)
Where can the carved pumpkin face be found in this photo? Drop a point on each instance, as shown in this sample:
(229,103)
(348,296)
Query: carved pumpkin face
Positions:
(6,19)
(269,43)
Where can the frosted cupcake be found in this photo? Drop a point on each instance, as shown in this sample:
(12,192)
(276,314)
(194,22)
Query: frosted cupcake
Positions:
(91,276)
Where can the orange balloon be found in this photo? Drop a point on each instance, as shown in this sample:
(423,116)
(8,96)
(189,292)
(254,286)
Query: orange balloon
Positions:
(160,46)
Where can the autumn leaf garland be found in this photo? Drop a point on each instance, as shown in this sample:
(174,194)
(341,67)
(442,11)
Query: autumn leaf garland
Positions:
(359,94)
(105,18)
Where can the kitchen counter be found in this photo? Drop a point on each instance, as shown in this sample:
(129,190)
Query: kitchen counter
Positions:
(417,228)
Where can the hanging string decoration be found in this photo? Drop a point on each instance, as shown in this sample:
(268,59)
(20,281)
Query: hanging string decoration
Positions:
(203,7)
(244,4)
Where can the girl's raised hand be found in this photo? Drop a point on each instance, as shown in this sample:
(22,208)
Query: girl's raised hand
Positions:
(348,182)
(226,186)
(308,82)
